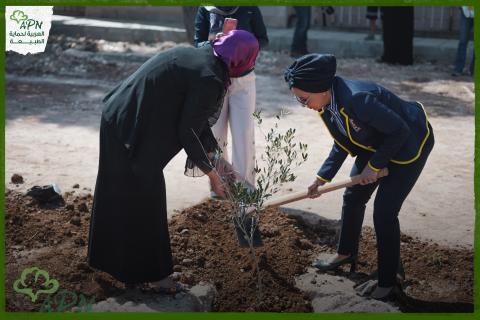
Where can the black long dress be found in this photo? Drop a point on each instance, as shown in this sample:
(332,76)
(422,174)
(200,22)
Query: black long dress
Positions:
(398,27)
(147,119)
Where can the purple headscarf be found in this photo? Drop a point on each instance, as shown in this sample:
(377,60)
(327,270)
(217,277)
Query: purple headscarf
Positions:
(238,49)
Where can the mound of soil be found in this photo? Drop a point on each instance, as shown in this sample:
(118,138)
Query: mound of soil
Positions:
(205,235)
(54,238)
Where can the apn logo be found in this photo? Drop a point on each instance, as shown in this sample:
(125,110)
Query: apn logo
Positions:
(21,18)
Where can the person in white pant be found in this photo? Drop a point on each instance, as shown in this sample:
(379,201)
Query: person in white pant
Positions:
(240,99)
(237,110)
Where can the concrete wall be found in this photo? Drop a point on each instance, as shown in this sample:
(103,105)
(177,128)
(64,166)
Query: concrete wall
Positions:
(275,16)
(150,14)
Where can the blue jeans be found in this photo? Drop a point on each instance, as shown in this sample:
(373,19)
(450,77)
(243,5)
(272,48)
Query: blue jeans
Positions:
(299,43)
(466,26)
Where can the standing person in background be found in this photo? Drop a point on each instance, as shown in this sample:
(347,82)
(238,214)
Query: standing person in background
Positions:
(188,21)
(372,16)
(299,42)
(465,31)
(397,35)
(240,100)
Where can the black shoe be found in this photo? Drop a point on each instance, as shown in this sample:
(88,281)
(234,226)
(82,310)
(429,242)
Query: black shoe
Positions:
(324,265)
(400,277)
(386,296)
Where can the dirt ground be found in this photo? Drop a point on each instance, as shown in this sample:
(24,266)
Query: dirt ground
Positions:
(53,111)
(54,105)
(54,238)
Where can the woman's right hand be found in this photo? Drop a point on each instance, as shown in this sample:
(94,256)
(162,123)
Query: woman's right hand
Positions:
(217,184)
(312,189)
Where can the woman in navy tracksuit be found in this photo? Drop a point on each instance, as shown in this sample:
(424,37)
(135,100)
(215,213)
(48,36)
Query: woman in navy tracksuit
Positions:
(381,130)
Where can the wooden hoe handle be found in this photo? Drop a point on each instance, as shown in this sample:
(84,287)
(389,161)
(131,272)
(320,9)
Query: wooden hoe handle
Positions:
(321,190)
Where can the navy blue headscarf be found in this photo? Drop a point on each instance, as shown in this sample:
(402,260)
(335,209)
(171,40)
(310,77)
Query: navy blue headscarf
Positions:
(313,72)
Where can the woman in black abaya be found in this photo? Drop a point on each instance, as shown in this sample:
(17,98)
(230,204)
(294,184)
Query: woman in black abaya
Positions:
(167,105)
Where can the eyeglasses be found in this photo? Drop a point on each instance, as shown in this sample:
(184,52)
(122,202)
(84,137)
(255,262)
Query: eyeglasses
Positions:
(303,101)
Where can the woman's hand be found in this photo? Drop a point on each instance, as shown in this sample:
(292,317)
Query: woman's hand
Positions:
(368,176)
(217,184)
(312,189)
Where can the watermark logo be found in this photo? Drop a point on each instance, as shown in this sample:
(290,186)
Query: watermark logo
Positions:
(33,282)
(66,300)
(19,16)
(40,279)
(27,28)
